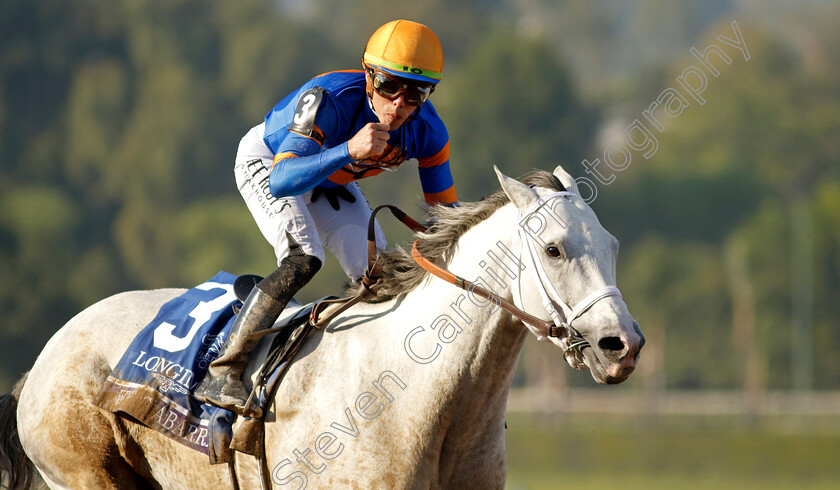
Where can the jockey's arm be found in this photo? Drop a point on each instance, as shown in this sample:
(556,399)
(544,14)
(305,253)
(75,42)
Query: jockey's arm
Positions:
(301,165)
(301,170)
(436,178)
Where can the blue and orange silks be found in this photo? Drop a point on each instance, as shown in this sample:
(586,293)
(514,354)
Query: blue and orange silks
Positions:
(319,156)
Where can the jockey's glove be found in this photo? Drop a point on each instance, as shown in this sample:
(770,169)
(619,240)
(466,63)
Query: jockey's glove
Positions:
(332,194)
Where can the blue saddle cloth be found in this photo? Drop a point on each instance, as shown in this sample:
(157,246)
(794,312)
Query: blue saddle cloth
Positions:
(154,379)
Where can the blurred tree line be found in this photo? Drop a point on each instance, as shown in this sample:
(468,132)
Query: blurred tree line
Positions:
(119,122)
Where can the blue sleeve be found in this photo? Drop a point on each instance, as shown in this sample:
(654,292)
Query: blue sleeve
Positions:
(294,175)
(437,178)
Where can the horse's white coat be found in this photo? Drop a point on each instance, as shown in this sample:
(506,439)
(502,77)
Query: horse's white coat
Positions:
(409,393)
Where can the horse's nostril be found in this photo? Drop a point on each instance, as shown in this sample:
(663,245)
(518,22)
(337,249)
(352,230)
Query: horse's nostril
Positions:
(611,344)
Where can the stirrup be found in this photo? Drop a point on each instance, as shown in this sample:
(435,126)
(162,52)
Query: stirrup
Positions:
(253,409)
(243,285)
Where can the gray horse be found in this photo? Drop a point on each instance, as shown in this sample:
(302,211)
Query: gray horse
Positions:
(405,392)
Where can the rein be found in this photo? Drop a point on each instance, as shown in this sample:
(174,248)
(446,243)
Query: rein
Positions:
(547,328)
(559,327)
(369,285)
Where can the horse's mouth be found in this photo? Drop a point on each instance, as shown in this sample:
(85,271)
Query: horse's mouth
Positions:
(614,374)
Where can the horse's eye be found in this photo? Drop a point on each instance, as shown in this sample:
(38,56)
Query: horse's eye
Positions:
(553,252)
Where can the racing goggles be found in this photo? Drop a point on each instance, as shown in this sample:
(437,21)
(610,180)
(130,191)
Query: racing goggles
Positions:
(391,88)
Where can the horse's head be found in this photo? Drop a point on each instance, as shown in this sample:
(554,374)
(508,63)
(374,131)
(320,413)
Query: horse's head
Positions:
(569,274)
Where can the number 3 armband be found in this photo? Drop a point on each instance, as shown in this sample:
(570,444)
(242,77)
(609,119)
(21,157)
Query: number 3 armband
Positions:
(303,121)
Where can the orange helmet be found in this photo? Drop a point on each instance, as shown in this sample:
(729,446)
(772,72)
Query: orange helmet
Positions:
(406,50)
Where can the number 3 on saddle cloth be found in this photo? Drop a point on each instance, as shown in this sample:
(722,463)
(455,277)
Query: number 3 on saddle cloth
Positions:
(153,381)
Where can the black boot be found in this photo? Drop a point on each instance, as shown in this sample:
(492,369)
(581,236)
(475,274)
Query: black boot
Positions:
(222,386)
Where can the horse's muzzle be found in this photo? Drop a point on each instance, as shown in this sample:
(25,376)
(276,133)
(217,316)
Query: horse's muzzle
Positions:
(616,356)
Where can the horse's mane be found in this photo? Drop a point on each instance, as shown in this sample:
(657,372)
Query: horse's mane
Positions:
(401,274)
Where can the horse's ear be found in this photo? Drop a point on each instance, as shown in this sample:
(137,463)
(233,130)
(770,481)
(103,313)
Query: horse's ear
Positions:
(566,180)
(520,194)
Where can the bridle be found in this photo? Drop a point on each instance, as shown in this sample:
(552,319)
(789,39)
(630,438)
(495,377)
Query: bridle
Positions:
(573,342)
(560,325)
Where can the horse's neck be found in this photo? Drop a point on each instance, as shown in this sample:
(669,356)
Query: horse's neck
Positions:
(471,376)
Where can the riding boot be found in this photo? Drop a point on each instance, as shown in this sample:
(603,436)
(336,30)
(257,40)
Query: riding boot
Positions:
(222,386)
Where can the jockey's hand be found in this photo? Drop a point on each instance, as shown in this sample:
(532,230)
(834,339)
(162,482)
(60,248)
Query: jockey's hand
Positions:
(333,193)
(369,142)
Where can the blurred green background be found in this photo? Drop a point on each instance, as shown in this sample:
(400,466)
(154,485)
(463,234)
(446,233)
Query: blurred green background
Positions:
(119,122)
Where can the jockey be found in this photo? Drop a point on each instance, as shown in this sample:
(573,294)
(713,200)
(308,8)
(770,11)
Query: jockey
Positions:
(297,172)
